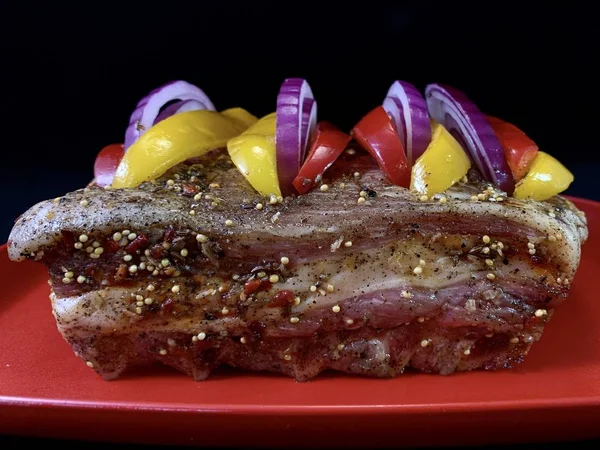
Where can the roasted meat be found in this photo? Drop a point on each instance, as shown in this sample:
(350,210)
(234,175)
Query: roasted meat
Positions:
(196,270)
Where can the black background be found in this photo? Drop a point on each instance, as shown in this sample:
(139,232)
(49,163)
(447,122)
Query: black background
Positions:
(72,74)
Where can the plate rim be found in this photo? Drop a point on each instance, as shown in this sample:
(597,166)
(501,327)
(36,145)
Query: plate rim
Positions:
(307,410)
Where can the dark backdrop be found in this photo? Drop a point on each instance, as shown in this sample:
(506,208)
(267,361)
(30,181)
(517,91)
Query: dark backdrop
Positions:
(73,74)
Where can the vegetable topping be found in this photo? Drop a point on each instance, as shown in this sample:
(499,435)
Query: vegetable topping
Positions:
(148,108)
(179,107)
(442,165)
(106,164)
(253,153)
(470,127)
(408,109)
(377,134)
(296,120)
(327,144)
(519,150)
(174,140)
(425,144)
(546,178)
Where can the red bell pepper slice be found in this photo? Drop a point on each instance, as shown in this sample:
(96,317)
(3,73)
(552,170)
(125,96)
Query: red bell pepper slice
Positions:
(327,144)
(377,134)
(106,164)
(519,149)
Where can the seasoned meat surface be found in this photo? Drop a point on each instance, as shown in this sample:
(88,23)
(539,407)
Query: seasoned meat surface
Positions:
(196,270)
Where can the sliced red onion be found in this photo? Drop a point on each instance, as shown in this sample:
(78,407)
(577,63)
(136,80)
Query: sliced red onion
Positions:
(309,123)
(468,124)
(148,108)
(179,107)
(296,119)
(407,107)
(393,107)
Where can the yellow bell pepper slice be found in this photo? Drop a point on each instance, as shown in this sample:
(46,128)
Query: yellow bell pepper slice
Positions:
(546,178)
(253,153)
(443,163)
(178,138)
(241,115)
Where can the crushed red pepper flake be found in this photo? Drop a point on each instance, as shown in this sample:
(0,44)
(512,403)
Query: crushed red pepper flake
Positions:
(189,189)
(282,298)
(157,251)
(68,238)
(139,242)
(110,245)
(255,285)
(167,306)
(169,234)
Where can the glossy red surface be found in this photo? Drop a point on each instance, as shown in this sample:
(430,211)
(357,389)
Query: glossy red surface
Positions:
(555,395)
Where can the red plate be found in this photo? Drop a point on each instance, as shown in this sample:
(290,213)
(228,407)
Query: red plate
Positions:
(555,395)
